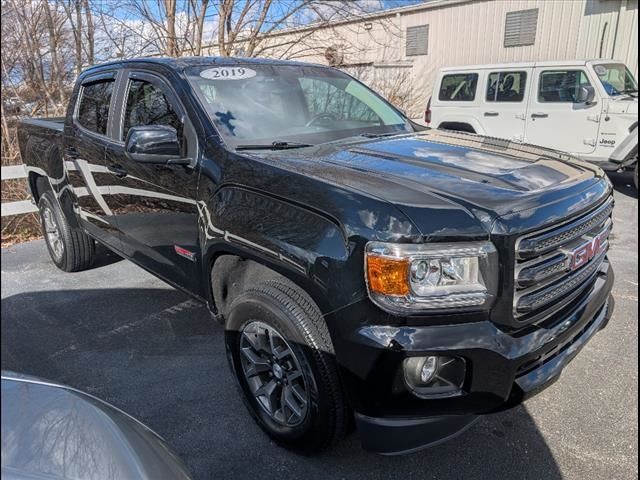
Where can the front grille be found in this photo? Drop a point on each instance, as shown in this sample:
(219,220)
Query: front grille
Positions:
(554,265)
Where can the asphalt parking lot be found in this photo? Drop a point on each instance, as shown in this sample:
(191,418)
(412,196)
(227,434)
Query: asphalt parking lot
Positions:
(118,333)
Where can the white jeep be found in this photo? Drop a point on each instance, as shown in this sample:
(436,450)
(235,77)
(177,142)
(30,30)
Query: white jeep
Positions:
(586,108)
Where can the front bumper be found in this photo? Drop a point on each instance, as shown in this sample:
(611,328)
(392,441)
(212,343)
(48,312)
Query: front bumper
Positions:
(503,369)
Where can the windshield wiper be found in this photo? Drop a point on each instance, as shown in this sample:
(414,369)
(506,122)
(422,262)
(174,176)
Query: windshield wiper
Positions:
(277,145)
(380,135)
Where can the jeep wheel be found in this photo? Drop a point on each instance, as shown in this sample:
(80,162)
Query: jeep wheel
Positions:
(70,249)
(635,176)
(282,356)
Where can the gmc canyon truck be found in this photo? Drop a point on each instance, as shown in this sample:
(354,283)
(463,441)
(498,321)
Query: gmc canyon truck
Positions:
(363,267)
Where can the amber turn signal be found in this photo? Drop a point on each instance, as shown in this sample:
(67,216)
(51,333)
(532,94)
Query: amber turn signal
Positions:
(388,276)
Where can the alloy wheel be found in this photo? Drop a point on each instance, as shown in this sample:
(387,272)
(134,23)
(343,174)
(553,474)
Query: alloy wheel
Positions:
(273,373)
(52,233)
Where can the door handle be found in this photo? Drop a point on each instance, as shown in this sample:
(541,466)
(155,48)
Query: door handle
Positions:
(72,152)
(491,114)
(118,170)
(539,115)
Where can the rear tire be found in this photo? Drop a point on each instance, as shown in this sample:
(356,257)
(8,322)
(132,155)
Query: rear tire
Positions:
(70,249)
(635,176)
(278,342)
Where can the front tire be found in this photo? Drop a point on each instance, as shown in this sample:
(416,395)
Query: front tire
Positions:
(281,354)
(70,249)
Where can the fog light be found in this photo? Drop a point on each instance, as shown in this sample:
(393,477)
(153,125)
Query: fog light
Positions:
(420,370)
(434,376)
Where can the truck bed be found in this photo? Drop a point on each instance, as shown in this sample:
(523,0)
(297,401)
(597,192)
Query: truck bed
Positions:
(39,140)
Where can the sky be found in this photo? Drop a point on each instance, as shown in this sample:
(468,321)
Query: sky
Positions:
(372,5)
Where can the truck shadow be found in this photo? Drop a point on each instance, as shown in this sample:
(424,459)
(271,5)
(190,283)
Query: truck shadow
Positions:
(105,257)
(158,355)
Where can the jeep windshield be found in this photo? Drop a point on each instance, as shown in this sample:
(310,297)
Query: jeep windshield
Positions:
(253,105)
(616,79)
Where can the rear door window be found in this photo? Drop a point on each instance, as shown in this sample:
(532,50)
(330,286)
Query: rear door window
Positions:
(93,110)
(506,86)
(459,87)
(561,86)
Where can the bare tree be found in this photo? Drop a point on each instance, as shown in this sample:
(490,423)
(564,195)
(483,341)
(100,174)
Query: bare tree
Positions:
(201,16)
(170,13)
(90,45)
(282,28)
(156,22)
(79,20)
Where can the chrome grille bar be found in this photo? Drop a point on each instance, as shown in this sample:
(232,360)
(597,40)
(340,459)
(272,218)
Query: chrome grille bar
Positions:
(544,242)
(570,284)
(546,271)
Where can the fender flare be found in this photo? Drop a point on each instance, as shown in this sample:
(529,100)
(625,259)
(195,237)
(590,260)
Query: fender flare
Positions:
(278,269)
(624,153)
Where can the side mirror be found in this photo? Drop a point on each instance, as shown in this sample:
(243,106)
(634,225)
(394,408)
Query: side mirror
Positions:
(154,144)
(586,94)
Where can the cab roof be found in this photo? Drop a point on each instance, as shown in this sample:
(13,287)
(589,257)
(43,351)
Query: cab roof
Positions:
(546,63)
(184,62)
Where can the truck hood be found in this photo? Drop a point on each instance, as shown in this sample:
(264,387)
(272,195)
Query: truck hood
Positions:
(479,177)
(623,104)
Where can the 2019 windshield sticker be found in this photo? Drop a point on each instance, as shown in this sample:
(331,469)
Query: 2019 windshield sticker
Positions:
(227,73)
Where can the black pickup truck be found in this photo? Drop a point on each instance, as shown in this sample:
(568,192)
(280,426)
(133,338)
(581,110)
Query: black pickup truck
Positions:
(362,266)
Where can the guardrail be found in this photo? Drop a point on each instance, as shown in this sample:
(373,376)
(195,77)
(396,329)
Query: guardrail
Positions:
(12,172)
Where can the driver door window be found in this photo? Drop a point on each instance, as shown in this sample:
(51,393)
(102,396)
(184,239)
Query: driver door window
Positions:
(561,86)
(147,105)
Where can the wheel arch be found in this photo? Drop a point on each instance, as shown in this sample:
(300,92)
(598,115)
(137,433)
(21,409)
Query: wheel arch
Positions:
(228,271)
(458,126)
(308,247)
(39,181)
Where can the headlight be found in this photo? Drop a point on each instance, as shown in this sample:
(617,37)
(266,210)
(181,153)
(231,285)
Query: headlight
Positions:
(436,276)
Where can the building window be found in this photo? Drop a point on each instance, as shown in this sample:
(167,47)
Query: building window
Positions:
(520,28)
(417,40)
(506,86)
(459,87)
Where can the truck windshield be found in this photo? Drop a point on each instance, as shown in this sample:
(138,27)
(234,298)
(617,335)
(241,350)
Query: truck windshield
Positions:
(262,104)
(616,79)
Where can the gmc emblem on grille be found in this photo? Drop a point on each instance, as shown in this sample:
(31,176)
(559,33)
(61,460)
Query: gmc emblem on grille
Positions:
(585,252)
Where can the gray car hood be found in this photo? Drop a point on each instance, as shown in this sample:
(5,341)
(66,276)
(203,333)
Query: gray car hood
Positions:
(51,431)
